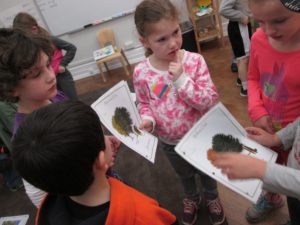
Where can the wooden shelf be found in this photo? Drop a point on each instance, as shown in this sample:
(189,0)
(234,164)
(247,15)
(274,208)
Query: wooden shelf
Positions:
(207,35)
(211,27)
(196,17)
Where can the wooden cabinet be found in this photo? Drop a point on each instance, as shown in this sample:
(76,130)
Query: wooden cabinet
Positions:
(207,25)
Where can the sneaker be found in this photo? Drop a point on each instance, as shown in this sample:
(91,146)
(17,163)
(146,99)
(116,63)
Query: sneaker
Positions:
(216,212)
(190,211)
(238,82)
(244,92)
(234,68)
(266,204)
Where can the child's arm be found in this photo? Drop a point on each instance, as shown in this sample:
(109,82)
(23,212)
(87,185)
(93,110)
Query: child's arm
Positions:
(265,123)
(143,97)
(228,10)
(263,137)
(288,134)
(276,178)
(195,86)
(68,47)
(238,166)
(256,108)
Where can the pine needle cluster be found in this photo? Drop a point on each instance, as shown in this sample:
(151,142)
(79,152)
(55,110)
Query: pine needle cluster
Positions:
(226,143)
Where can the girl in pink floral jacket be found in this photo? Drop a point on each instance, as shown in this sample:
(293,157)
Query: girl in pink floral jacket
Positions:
(174,90)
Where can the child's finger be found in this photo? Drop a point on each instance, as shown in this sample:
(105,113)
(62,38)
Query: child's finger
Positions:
(252,130)
(177,57)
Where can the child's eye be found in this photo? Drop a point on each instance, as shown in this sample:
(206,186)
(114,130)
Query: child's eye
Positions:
(176,32)
(161,39)
(36,75)
(280,21)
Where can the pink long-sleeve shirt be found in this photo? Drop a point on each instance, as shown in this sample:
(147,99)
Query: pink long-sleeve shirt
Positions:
(174,107)
(273,82)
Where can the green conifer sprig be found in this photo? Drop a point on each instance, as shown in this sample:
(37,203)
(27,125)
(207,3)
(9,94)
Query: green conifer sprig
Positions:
(226,143)
(122,122)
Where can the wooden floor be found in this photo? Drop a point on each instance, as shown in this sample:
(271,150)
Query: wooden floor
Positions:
(218,60)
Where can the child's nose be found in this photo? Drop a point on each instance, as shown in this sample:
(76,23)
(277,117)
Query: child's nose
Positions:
(50,75)
(270,30)
(172,43)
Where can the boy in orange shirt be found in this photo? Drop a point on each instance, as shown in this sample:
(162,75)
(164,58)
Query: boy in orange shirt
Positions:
(61,149)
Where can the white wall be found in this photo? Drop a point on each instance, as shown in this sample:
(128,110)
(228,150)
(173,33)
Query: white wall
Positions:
(83,65)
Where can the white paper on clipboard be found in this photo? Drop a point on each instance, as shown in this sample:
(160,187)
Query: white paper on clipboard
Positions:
(195,144)
(106,106)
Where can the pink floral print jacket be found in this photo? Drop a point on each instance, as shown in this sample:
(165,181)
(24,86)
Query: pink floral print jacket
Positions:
(174,107)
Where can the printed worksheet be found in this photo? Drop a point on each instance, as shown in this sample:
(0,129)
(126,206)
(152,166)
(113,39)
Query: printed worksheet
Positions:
(118,113)
(218,122)
(14,220)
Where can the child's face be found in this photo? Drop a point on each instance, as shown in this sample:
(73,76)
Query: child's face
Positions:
(164,39)
(280,24)
(39,83)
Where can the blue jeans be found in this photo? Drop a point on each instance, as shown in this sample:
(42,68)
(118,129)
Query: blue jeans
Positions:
(187,172)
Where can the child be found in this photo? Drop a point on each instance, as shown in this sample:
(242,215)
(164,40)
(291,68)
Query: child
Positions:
(273,80)
(26,76)
(276,178)
(59,62)
(174,90)
(61,149)
(239,33)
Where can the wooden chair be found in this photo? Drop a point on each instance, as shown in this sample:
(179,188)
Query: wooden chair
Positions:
(106,37)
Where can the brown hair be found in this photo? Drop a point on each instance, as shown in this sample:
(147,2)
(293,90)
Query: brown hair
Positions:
(26,22)
(19,52)
(152,11)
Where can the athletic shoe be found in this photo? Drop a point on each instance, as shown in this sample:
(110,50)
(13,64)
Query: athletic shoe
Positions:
(234,68)
(266,204)
(190,211)
(216,212)
(238,82)
(244,92)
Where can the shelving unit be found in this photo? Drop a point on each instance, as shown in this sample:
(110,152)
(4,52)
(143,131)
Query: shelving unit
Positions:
(206,27)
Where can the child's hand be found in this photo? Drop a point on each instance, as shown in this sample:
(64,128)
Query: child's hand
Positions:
(261,136)
(245,20)
(265,123)
(115,145)
(61,69)
(175,68)
(238,166)
(146,125)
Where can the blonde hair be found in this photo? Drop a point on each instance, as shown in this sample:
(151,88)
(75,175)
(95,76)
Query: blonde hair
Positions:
(152,11)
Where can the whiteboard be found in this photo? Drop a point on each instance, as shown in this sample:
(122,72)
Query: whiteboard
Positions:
(64,16)
(7,16)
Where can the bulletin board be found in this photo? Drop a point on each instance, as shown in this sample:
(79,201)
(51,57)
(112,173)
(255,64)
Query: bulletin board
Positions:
(65,16)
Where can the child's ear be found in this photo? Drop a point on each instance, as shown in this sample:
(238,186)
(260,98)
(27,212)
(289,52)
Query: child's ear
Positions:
(100,162)
(34,29)
(15,92)
(144,42)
